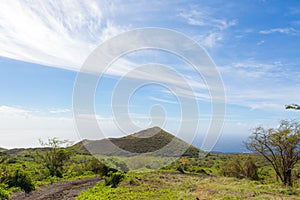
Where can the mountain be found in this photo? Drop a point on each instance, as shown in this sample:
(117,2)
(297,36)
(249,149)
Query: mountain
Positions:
(153,141)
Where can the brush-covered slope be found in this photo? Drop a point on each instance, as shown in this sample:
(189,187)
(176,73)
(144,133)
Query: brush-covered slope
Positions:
(153,141)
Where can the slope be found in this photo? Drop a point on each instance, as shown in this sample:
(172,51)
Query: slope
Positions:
(153,141)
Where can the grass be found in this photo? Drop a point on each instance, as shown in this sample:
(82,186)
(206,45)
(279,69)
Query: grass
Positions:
(162,185)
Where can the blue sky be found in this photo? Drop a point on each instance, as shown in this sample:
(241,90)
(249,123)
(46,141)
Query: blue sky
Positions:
(254,44)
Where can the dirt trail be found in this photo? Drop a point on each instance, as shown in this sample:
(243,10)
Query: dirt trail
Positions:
(65,190)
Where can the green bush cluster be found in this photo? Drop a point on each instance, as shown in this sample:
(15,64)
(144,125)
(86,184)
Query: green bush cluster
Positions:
(22,180)
(4,194)
(240,167)
(114,178)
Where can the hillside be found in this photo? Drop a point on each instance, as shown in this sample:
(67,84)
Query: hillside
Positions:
(153,141)
(2,149)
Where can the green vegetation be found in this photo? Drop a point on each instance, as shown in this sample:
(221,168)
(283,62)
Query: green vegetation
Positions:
(27,169)
(214,176)
(114,178)
(167,185)
(152,142)
(241,167)
(54,157)
(22,180)
(280,147)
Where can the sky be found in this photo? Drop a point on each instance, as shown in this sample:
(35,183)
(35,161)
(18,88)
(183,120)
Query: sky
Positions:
(254,45)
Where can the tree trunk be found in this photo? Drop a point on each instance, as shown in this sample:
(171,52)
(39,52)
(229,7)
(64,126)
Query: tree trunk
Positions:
(287,179)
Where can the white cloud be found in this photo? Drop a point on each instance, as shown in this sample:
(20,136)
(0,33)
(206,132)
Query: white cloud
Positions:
(164,100)
(63,34)
(213,25)
(60,34)
(59,111)
(288,31)
(197,18)
(211,39)
(23,128)
(260,43)
(9,111)
(260,85)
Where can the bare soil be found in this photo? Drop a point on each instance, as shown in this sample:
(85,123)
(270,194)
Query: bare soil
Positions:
(65,190)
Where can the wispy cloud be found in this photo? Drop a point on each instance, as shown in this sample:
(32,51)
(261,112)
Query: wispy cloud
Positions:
(260,85)
(13,111)
(288,31)
(294,10)
(59,111)
(210,40)
(254,69)
(163,100)
(60,34)
(214,27)
(260,43)
(198,18)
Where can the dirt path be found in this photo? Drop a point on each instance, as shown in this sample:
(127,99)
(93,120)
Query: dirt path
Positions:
(65,190)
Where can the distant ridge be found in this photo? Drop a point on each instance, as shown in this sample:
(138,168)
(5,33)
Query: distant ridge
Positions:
(2,149)
(154,141)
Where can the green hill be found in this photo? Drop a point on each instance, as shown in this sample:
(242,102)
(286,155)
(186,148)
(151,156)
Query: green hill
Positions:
(153,141)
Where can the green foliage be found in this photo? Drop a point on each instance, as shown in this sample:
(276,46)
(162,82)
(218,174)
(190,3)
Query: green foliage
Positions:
(98,167)
(4,193)
(201,177)
(114,178)
(54,156)
(153,141)
(3,174)
(170,185)
(280,147)
(21,179)
(180,169)
(240,167)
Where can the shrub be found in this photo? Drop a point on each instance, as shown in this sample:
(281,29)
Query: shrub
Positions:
(22,180)
(240,168)
(114,178)
(4,194)
(180,169)
(98,167)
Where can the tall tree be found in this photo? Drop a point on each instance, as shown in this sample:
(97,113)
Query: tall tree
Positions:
(280,146)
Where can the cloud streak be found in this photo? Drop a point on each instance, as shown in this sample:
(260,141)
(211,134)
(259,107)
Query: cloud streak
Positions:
(60,34)
(288,31)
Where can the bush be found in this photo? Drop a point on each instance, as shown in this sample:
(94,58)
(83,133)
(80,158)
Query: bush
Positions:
(238,167)
(98,167)
(4,194)
(114,178)
(22,180)
(180,169)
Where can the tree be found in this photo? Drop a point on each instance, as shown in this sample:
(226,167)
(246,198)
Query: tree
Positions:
(53,157)
(280,147)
